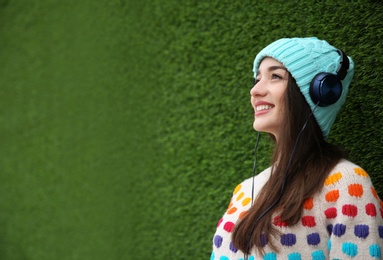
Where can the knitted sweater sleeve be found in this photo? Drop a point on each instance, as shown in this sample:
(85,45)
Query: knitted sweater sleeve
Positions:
(353,214)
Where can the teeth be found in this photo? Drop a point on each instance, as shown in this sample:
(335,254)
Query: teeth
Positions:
(263,107)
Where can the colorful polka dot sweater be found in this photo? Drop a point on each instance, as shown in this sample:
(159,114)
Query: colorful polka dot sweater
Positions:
(343,221)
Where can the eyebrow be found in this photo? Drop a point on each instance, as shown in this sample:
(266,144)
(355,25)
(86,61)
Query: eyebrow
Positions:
(272,68)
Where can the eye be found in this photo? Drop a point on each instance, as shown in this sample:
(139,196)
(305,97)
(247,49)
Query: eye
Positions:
(276,76)
(255,81)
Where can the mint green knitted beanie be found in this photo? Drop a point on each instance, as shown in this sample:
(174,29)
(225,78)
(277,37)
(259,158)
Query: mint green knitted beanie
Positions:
(304,58)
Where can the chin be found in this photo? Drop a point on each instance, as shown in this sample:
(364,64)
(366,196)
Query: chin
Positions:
(257,127)
(262,128)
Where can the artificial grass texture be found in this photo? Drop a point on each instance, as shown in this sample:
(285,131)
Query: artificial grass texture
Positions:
(73,138)
(125,125)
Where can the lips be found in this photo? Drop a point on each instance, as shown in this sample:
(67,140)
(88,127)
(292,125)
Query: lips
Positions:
(262,106)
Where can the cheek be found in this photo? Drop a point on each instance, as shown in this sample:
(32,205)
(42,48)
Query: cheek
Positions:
(280,97)
(280,100)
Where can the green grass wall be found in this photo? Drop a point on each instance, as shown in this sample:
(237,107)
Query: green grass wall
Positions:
(73,138)
(125,125)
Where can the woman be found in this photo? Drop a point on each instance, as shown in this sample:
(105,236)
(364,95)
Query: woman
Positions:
(311,203)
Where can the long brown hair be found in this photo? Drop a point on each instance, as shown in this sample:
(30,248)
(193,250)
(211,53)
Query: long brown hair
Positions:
(310,164)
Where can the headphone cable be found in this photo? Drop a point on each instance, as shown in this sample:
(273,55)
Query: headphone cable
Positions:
(246,256)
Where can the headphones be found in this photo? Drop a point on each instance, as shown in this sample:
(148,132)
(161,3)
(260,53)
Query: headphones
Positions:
(326,88)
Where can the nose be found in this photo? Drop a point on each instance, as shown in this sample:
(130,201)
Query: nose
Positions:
(259,89)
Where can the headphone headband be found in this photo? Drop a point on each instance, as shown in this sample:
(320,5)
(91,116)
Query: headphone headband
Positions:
(344,65)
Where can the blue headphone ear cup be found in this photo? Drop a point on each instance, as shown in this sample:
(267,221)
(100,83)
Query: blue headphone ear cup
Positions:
(325,89)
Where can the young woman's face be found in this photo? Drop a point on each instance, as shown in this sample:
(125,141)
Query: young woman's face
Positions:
(267,96)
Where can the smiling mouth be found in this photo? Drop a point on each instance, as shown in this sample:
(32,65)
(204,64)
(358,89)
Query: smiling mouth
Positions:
(263,107)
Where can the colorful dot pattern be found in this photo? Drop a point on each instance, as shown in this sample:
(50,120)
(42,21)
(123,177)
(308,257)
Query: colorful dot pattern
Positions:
(343,221)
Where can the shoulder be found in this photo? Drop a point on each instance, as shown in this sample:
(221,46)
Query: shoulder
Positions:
(253,183)
(347,173)
(349,187)
(242,193)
